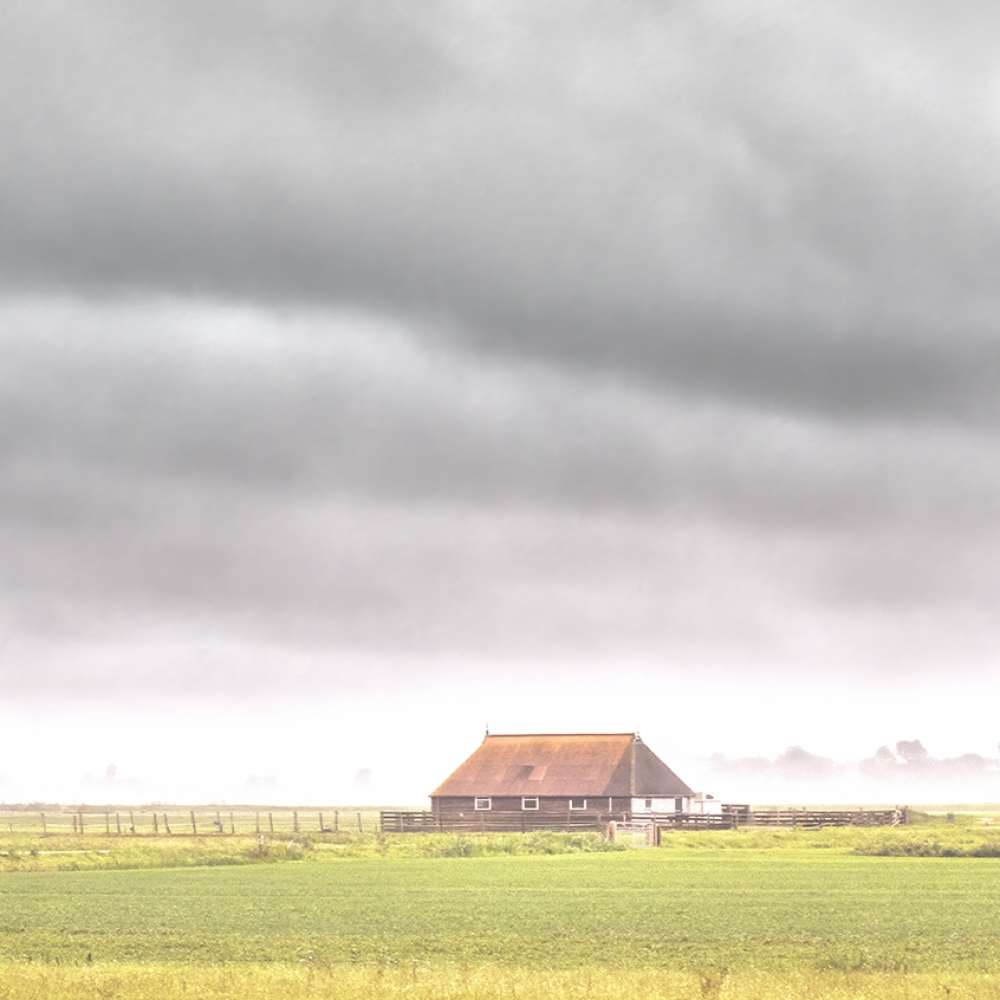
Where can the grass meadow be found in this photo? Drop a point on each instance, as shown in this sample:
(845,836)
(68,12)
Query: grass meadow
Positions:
(883,913)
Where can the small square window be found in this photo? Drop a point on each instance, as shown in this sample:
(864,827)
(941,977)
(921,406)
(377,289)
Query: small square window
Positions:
(649,803)
(529,805)
(578,803)
(482,804)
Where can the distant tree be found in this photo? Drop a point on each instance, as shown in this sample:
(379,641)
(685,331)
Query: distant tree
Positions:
(912,751)
(883,765)
(969,765)
(797,762)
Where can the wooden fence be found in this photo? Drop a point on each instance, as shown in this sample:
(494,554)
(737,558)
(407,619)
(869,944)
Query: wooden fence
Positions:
(813,819)
(731,818)
(201,822)
(494,821)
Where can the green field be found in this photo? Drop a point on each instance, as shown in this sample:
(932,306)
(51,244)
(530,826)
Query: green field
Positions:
(760,910)
(766,913)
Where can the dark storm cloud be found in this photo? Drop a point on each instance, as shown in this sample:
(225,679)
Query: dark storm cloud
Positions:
(314,402)
(793,207)
(205,474)
(550,330)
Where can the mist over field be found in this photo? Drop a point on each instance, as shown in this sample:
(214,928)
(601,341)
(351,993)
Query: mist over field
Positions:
(908,774)
(370,376)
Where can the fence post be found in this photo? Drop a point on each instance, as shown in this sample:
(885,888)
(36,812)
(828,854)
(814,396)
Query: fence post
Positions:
(131,822)
(321,830)
(156,825)
(336,821)
(295,821)
(194,826)
(166,823)
(270,821)
(218,821)
(232,823)
(118,823)
(45,832)
(81,823)
(258,821)
(359,823)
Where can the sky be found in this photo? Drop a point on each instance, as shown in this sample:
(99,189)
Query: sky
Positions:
(371,374)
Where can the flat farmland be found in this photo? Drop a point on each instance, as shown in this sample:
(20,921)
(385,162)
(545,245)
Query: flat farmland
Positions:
(773,912)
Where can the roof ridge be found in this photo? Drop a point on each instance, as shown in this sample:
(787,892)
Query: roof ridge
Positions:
(508,735)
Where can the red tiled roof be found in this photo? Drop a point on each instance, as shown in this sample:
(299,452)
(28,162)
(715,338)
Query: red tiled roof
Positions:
(576,764)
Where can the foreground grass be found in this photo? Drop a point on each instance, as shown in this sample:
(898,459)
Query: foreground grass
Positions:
(839,913)
(306,981)
(763,911)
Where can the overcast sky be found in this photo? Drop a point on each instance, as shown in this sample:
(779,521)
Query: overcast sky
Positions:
(371,372)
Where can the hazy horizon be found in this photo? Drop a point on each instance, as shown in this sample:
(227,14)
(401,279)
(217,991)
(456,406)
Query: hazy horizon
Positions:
(369,375)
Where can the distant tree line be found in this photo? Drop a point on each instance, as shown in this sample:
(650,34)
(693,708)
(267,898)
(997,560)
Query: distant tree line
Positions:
(910,760)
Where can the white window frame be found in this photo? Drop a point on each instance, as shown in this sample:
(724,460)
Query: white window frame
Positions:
(583,806)
(524,804)
(483,808)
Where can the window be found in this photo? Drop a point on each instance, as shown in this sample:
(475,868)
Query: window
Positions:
(649,803)
(578,803)
(529,804)
(484,804)
(678,805)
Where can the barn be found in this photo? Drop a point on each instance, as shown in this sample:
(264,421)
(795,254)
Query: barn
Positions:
(540,780)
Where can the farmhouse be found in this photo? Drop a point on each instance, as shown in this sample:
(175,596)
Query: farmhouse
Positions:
(540,780)
(591,781)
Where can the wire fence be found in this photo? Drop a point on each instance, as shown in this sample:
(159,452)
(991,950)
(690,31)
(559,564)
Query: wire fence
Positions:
(177,821)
